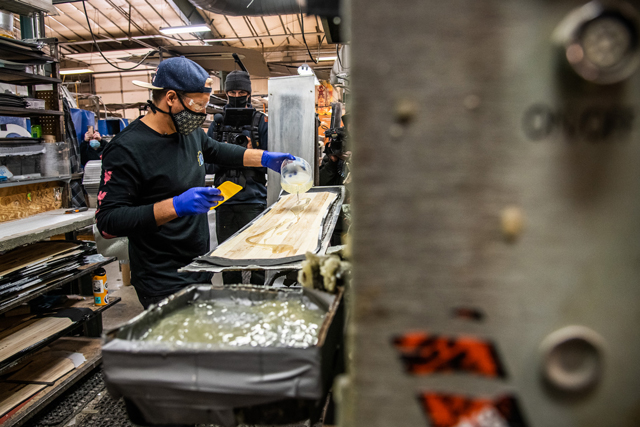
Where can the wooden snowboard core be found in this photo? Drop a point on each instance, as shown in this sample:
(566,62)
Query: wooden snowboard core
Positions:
(291,228)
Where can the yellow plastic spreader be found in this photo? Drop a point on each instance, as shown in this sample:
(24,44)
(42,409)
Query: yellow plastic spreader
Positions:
(228,190)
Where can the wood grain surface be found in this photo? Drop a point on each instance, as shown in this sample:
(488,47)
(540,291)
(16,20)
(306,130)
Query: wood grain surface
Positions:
(28,333)
(26,200)
(45,366)
(48,365)
(89,347)
(292,227)
(13,394)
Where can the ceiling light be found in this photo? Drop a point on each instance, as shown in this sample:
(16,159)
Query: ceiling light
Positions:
(305,70)
(76,71)
(187,29)
(327,58)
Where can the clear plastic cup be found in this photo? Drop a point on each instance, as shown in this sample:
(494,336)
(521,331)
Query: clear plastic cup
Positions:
(296,176)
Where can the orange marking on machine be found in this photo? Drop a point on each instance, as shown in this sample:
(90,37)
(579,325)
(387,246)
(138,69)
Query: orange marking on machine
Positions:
(423,354)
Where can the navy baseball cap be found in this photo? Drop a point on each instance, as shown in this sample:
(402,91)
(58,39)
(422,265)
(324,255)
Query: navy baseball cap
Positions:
(179,74)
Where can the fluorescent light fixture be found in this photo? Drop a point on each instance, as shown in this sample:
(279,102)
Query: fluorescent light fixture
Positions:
(187,29)
(76,71)
(327,58)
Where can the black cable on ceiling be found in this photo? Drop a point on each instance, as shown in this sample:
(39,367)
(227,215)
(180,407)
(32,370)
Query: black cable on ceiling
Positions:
(315,61)
(86,15)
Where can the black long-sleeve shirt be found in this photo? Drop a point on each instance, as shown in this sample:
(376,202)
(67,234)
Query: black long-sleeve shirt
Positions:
(141,167)
(253,192)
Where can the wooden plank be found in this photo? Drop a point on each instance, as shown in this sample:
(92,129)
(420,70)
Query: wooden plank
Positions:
(13,394)
(46,339)
(26,335)
(291,228)
(44,366)
(89,347)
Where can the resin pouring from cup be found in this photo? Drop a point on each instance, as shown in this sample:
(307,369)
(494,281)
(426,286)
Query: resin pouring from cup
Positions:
(296,176)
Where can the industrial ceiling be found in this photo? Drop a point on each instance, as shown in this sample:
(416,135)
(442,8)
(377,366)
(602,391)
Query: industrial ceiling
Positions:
(130,28)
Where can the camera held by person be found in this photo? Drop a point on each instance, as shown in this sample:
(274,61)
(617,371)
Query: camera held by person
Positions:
(334,168)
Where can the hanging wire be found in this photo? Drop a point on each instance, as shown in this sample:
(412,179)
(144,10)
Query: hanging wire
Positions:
(86,15)
(315,61)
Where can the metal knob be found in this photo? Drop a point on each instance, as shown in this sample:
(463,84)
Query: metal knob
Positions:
(572,358)
(601,41)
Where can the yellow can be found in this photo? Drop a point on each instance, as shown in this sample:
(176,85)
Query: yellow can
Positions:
(100,291)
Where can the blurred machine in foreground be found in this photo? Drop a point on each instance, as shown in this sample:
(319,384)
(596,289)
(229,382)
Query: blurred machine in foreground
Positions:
(498,286)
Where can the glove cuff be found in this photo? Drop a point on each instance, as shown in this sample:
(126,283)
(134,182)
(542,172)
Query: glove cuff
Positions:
(264,159)
(175,207)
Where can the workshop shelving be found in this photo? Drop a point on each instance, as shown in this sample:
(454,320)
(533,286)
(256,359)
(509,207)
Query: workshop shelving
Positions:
(84,270)
(13,360)
(64,178)
(90,325)
(50,118)
(42,226)
(21,141)
(21,78)
(27,112)
(90,347)
(25,231)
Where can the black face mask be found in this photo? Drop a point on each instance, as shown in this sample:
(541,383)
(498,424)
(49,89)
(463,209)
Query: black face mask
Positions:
(238,101)
(186,121)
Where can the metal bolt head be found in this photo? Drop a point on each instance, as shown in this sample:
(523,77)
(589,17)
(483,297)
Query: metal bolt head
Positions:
(405,111)
(512,219)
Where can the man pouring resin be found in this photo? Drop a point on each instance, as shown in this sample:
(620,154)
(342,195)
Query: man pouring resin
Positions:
(152,188)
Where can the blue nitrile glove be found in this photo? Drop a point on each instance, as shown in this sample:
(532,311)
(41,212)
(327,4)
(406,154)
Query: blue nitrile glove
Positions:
(196,201)
(273,160)
(95,144)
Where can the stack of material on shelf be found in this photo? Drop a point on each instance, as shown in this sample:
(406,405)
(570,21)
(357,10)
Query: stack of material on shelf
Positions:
(30,327)
(22,52)
(23,150)
(10,100)
(28,333)
(91,180)
(29,269)
(34,103)
(40,371)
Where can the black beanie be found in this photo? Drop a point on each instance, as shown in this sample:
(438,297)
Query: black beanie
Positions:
(238,80)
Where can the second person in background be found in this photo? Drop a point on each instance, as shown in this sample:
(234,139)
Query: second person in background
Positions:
(249,130)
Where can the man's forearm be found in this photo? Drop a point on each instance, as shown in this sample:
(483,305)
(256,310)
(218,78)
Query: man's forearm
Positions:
(252,158)
(164,212)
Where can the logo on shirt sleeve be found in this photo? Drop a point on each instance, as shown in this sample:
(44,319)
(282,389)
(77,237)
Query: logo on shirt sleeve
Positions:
(200,158)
